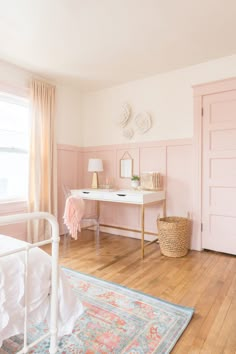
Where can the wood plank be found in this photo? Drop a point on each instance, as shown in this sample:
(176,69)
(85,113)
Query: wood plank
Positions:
(203,280)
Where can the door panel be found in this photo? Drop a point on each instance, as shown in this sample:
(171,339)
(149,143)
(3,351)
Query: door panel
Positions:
(223,201)
(222,169)
(223,139)
(221,112)
(219,227)
(219,172)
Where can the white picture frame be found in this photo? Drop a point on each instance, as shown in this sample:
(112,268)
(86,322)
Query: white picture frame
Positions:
(126,168)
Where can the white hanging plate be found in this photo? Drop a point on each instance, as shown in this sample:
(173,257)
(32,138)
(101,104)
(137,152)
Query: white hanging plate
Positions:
(124,115)
(128,133)
(143,122)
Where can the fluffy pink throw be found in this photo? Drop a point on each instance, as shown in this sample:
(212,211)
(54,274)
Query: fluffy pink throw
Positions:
(74,211)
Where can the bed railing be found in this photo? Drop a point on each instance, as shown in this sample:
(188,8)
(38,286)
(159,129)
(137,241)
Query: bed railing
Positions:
(13,219)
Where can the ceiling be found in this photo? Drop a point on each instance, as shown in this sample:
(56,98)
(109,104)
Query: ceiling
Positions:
(100,43)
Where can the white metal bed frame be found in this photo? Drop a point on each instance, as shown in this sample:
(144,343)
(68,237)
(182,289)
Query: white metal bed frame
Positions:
(55,239)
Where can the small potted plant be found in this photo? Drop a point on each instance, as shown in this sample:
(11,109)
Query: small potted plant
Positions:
(135,181)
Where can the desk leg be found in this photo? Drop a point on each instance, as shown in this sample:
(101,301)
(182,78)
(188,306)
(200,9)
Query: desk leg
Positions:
(98,210)
(97,237)
(142,231)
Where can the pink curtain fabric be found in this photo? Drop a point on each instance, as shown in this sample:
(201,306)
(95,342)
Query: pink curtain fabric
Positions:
(42,158)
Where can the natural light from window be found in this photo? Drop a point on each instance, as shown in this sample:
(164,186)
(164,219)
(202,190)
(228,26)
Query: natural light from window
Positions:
(14,147)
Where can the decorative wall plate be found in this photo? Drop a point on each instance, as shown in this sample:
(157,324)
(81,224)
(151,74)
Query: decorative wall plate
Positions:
(124,115)
(128,133)
(143,122)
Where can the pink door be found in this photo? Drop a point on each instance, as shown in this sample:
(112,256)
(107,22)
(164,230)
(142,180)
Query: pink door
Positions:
(219,172)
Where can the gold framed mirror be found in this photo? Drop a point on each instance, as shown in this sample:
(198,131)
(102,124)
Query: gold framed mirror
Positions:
(126,166)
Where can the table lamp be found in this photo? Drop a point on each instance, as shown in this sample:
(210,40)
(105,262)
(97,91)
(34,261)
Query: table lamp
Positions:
(95,165)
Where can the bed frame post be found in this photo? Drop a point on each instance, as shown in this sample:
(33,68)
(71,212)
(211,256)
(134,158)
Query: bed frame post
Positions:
(55,286)
(55,239)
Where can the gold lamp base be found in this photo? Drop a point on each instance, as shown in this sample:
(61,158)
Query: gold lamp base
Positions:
(95,180)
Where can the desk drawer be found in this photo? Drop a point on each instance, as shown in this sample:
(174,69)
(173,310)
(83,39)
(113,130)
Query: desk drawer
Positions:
(88,194)
(120,196)
(123,197)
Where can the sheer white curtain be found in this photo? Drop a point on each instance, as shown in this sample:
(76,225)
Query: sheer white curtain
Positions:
(42,158)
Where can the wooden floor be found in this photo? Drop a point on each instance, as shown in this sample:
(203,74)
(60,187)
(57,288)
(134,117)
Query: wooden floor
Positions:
(203,280)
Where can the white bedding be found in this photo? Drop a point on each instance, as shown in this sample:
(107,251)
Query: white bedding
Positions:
(12,291)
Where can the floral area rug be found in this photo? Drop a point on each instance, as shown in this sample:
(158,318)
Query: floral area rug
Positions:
(116,320)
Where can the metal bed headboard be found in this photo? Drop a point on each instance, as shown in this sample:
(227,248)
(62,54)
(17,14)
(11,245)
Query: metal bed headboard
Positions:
(55,239)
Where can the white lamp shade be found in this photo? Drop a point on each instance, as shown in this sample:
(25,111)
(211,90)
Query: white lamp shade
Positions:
(95,165)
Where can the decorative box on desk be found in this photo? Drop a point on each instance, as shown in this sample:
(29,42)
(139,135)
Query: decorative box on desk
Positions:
(150,181)
(142,198)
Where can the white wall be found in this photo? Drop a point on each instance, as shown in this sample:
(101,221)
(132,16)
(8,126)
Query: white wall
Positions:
(90,119)
(167,97)
(13,76)
(68,115)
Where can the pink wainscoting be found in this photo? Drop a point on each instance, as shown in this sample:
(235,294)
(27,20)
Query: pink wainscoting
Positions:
(15,230)
(179,179)
(173,159)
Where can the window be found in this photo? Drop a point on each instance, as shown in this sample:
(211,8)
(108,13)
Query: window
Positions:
(14,147)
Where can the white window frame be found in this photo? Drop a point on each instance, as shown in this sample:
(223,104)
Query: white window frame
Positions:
(22,96)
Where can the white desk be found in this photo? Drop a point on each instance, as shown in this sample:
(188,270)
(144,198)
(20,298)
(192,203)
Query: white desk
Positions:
(142,198)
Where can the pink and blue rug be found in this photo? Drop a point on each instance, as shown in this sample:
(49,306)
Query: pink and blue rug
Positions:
(116,320)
